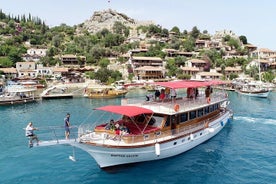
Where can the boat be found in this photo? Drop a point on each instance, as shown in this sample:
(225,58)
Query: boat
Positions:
(150,130)
(253,88)
(17,94)
(105,92)
(56,92)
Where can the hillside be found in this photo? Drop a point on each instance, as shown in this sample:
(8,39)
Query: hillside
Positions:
(106,19)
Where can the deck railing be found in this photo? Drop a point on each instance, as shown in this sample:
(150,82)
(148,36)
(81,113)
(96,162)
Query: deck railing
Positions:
(56,133)
(168,105)
(126,140)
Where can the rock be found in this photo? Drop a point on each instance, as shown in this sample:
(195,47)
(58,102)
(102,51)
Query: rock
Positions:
(106,19)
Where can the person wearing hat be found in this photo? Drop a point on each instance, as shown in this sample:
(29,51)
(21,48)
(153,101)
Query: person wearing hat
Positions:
(67,126)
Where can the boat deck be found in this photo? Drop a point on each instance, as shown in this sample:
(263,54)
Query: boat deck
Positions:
(185,104)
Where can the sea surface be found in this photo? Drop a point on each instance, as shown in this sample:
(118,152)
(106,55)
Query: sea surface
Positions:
(243,152)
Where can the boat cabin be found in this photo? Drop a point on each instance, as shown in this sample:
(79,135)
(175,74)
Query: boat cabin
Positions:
(145,127)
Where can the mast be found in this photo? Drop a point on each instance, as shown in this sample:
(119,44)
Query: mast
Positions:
(259,62)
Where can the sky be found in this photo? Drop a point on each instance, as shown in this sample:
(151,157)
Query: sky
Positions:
(254,19)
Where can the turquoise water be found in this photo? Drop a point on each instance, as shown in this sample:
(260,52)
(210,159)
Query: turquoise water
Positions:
(244,152)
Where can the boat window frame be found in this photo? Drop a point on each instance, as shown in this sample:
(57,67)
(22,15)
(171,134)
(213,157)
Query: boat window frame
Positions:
(200,114)
(206,110)
(185,120)
(211,109)
(194,117)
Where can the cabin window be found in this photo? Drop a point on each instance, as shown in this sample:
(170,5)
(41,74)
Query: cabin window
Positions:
(206,109)
(152,121)
(168,122)
(211,108)
(215,107)
(146,137)
(183,117)
(175,119)
(192,115)
(200,112)
(156,120)
(140,119)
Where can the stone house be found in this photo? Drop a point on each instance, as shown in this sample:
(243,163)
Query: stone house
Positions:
(26,69)
(149,72)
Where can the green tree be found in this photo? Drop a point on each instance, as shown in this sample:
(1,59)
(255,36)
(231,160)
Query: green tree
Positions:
(154,29)
(268,76)
(5,62)
(234,43)
(171,67)
(121,29)
(102,74)
(243,39)
(176,30)
(195,32)
(104,62)
(233,76)
(189,44)
(165,32)
(14,55)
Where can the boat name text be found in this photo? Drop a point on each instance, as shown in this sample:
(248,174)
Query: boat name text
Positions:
(122,155)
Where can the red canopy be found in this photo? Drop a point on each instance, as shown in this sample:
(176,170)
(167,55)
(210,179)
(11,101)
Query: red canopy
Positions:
(129,111)
(188,84)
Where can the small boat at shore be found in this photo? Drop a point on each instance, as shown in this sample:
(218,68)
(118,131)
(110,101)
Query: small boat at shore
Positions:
(17,94)
(253,89)
(254,92)
(151,130)
(105,92)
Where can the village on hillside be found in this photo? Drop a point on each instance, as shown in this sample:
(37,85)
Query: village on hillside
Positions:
(73,67)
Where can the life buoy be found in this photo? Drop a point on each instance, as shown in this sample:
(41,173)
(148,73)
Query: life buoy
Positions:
(208,100)
(176,107)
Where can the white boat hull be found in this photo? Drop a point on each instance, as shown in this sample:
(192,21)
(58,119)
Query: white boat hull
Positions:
(112,156)
(260,94)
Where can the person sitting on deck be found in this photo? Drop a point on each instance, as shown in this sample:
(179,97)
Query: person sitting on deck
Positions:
(120,130)
(124,129)
(110,125)
(149,97)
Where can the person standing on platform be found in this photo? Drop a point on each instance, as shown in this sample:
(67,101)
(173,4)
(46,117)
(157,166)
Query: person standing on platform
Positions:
(30,134)
(173,94)
(157,94)
(167,93)
(67,126)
